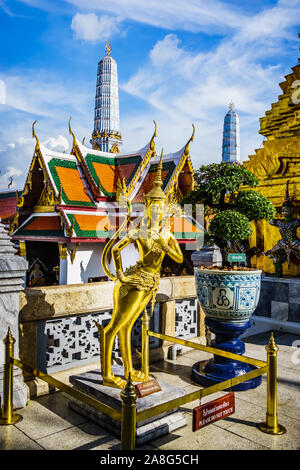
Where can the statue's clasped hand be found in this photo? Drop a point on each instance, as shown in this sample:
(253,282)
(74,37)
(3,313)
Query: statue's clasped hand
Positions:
(160,240)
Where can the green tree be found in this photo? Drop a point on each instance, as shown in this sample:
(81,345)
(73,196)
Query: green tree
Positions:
(218,188)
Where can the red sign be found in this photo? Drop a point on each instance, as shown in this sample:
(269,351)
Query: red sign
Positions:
(213,411)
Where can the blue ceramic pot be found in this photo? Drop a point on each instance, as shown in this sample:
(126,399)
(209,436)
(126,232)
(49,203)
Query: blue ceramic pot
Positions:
(228,295)
(228,299)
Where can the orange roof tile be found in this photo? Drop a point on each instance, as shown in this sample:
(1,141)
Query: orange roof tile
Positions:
(72,184)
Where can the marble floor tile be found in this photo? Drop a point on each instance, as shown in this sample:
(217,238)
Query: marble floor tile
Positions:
(87,436)
(40,420)
(208,438)
(11,438)
(288,441)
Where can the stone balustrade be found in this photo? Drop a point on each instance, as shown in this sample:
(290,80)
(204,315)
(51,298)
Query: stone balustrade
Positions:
(57,333)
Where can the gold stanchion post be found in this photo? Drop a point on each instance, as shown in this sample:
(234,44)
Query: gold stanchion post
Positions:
(128,423)
(145,344)
(271,425)
(7,415)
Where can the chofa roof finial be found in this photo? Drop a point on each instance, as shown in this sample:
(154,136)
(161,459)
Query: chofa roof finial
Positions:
(37,145)
(72,133)
(152,144)
(191,139)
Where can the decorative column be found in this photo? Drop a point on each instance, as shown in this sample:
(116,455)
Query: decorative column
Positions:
(63,264)
(12,273)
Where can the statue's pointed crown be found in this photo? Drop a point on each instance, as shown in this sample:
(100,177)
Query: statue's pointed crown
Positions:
(156,193)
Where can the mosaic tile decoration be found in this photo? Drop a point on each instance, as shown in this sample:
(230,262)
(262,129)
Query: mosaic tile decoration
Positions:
(65,173)
(106,171)
(41,226)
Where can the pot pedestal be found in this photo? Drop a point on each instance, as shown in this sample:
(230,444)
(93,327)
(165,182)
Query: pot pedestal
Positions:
(219,368)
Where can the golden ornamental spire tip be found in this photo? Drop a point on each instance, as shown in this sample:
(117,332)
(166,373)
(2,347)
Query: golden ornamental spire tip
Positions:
(272,346)
(152,144)
(9,337)
(155,129)
(191,139)
(37,145)
(71,132)
(108,48)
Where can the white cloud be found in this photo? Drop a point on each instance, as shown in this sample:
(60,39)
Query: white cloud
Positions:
(184,87)
(91,28)
(189,15)
(166,51)
(44,93)
(2,92)
(271,24)
(179,86)
(60,143)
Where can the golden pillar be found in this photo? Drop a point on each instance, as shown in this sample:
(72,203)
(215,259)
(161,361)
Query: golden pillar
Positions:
(271,425)
(128,423)
(145,344)
(22,249)
(7,415)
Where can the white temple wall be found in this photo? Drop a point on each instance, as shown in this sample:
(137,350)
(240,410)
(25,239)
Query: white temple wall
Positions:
(87,262)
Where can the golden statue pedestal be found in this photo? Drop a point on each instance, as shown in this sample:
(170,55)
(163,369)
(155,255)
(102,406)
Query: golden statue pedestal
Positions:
(91,383)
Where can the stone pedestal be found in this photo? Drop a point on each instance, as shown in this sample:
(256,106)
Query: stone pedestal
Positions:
(91,383)
(207,256)
(280,299)
(218,369)
(12,273)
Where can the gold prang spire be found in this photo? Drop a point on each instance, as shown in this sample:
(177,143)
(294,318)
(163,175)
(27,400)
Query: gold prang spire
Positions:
(156,193)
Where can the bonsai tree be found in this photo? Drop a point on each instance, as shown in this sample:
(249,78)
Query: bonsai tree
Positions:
(228,208)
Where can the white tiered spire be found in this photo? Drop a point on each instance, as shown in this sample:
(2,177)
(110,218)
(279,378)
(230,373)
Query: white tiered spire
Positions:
(106,135)
(231,137)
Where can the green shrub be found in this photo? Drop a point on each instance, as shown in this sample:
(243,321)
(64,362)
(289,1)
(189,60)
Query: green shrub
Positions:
(217,187)
(254,205)
(230,225)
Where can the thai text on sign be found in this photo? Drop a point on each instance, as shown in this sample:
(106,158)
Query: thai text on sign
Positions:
(213,411)
(146,388)
(236,257)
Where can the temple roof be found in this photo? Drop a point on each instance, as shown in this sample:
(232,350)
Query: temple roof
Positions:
(80,188)
(8,204)
(103,169)
(41,227)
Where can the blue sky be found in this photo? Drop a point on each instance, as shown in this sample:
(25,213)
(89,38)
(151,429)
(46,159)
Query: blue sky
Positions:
(179,62)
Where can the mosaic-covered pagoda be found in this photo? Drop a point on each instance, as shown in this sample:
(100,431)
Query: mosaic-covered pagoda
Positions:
(276,165)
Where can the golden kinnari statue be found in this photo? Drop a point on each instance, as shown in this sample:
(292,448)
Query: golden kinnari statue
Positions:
(136,286)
